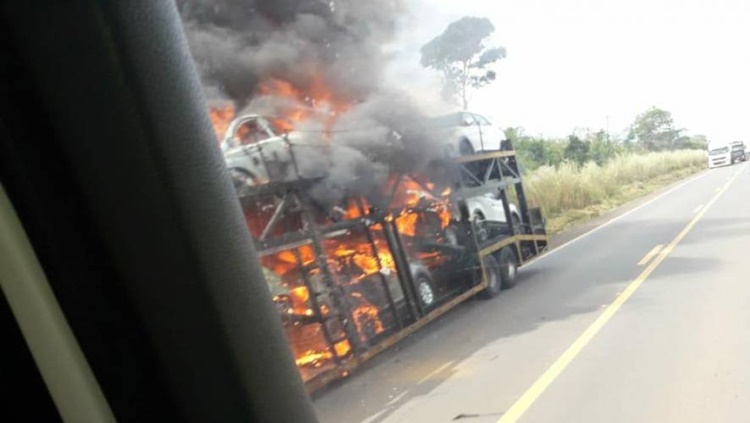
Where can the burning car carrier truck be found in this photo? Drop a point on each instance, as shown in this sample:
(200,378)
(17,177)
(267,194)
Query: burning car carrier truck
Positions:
(353,278)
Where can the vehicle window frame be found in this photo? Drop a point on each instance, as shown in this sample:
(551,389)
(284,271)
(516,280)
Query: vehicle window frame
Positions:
(481,120)
(470,116)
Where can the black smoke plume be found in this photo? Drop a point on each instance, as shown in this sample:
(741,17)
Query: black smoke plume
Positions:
(238,44)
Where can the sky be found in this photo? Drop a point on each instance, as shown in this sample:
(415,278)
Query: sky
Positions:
(596,64)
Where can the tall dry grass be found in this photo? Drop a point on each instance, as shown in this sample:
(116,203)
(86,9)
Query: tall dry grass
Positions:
(572,187)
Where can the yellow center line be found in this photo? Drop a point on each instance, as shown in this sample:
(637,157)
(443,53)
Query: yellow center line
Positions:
(545,380)
(651,254)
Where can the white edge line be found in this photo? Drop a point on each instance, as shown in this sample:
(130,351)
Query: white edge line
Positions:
(388,406)
(434,372)
(396,398)
(615,219)
(697,209)
(375,416)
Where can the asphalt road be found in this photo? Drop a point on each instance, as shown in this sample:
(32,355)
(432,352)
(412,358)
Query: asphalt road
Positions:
(598,330)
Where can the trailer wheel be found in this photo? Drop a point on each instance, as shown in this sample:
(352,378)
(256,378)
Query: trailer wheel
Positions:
(494,284)
(508,267)
(424,290)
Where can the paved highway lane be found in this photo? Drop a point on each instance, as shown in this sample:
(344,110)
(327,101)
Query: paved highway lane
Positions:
(679,349)
(491,360)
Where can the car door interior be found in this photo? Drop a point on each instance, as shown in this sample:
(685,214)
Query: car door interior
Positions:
(109,160)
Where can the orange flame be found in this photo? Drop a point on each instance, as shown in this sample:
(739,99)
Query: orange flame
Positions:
(221,117)
(299,297)
(353,209)
(342,348)
(410,195)
(357,248)
(366,316)
(313,358)
(407,224)
(312,353)
(315,100)
(286,261)
(318,358)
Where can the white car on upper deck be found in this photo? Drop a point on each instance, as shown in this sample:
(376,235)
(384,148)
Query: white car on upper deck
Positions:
(471,133)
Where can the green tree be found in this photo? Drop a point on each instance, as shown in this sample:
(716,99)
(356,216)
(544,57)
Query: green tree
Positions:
(654,130)
(602,148)
(694,142)
(577,150)
(462,58)
(555,150)
(514,133)
(532,152)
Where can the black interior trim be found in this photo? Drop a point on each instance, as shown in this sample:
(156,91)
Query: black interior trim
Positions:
(110,159)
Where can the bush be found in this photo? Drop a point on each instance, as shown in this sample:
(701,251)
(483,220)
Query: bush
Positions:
(534,152)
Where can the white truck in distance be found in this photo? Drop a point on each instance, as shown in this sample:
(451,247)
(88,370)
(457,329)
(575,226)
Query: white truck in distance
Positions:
(719,155)
(738,151)
(725,154)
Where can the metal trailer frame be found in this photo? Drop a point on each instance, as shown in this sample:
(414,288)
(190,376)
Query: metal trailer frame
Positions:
(473,175)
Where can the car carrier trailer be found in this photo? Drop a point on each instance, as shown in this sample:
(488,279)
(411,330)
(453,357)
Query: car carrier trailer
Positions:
(353,279)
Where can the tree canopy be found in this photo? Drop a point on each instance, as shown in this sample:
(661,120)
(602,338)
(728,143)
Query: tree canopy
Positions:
(462,58)
(654,130)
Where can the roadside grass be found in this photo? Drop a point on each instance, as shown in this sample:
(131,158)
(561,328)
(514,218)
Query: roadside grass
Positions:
(572,194)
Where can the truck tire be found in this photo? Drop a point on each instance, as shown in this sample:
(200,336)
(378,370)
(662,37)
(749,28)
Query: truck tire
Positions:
(494,284)
(425,293)
(508,267)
